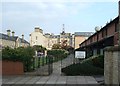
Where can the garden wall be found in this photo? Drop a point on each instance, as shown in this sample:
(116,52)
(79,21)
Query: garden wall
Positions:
(12,68)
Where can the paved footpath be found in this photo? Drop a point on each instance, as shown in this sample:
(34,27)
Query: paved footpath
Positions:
(54,79)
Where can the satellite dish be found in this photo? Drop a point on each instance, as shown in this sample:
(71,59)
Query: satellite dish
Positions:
(97,28)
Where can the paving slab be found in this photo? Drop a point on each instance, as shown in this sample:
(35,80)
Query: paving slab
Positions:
(23,80)
(90,80)
(80,79)
(52,80)
(33,80)
(11,80)
(71,80)
(7,78)
(42,80)
(61,80)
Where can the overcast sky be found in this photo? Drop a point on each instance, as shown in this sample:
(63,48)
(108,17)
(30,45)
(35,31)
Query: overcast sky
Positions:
(78,16)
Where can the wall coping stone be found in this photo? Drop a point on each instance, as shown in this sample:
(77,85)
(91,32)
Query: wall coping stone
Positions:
(112,48)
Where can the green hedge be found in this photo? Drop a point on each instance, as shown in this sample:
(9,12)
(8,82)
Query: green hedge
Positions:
(82,69)
(90,66)
(97,61)
(57,54)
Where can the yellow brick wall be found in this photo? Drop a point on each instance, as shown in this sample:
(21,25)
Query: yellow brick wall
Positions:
(78,40)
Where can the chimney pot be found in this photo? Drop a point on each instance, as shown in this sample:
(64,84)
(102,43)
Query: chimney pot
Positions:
(22,36)
(13,33)
(8,32)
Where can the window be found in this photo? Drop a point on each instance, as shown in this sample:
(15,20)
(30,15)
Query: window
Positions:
(116,27)
(91,40)
(102,34)
(36,37)
(106,32)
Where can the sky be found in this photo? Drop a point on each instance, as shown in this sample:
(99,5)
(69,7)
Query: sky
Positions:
(78,16)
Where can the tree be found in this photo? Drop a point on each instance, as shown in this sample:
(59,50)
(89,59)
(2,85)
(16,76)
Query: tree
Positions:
(39,48)
(57,54)
(64,44)
(56,46)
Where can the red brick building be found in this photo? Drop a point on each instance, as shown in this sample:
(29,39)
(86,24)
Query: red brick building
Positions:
(106,36)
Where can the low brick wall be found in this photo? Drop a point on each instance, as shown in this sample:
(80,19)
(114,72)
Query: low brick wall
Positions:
(112,65)
(12,68)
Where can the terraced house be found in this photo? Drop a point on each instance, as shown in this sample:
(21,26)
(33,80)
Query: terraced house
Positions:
(106,36)
(12,40)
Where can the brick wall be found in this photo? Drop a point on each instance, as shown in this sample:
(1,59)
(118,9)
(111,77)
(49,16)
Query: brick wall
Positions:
(12,68)
(111,30)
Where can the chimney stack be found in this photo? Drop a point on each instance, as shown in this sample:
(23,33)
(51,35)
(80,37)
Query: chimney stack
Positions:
(22,36)
(37,29)
(13,33)
(8,32)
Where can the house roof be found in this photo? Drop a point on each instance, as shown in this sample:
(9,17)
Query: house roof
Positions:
(6,37)
(24,41)
(11,38)
(115,20)
(54,36)
(86,34)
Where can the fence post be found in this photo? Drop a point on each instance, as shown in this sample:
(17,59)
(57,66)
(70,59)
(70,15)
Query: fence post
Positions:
(38,62)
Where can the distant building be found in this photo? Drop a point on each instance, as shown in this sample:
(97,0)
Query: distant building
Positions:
(37,38)
(52,39)
(47,40)
(79,37)
(12,41)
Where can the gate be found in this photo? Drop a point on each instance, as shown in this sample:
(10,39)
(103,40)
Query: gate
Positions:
(42,66)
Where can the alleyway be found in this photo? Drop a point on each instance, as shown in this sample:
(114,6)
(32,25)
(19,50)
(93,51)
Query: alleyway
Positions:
(54,78)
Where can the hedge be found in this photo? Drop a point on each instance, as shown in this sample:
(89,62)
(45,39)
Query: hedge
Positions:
(97,61)
(90,66)
(58,54)
(82,69)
